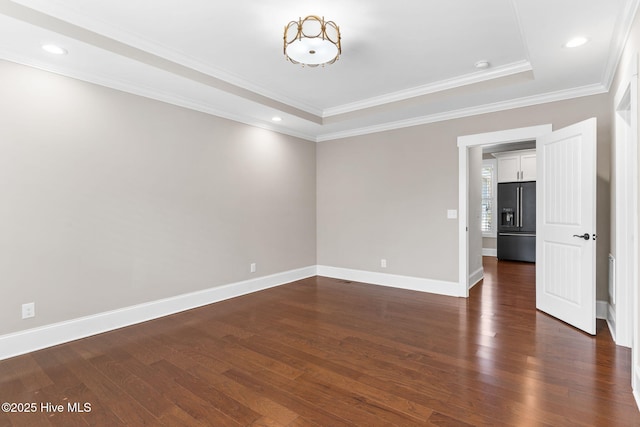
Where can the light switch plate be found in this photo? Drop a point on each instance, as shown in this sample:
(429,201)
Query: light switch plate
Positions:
(452,213)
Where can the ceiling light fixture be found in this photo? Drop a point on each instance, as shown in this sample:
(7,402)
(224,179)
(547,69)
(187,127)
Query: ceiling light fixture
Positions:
(56,50)
(312,41)
(276,119)
(576,42)
(481,65)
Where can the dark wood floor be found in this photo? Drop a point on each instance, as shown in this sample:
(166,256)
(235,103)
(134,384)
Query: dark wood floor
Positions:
(325,352)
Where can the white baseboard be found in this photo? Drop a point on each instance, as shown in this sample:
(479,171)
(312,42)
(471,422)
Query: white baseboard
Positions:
(29,340)
(636,386)
(602,309)
(22,342)
(433,286)
(489,252)
(476,277)
(610,316)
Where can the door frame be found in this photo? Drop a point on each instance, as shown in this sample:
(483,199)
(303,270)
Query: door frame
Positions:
(626,146)
(464,143)
(621,306)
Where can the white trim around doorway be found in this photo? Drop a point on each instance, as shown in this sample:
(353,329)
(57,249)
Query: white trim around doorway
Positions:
(464,143)
(625,187)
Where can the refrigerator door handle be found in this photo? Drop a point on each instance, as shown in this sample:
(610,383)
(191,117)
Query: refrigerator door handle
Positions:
(517,219)
(520,208)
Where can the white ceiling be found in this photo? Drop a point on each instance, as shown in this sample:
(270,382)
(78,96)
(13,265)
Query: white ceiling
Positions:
(403,63)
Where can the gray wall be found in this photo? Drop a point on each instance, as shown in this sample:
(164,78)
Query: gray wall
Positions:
(386,195)
(489,242)
(109,199)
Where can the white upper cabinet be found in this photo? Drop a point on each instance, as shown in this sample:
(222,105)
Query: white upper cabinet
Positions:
(516,166)
(528,167)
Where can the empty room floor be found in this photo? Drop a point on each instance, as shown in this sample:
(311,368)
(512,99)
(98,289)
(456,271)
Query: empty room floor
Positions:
(327,352)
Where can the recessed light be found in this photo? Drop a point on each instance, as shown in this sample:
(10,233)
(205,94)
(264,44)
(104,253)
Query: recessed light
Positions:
(276,119)
(56,50)
(576,42)
(481,65)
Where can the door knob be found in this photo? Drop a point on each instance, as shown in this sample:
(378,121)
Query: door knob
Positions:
(584,236)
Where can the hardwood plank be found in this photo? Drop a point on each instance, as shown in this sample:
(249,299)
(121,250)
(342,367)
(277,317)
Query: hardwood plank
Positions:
(302,422)
(248,397)
(438,419)
(222,402)
(338,401)
(107,395)
(12,390)
(285,398)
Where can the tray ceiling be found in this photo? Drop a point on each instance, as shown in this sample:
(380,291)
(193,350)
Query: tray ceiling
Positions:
(403,63)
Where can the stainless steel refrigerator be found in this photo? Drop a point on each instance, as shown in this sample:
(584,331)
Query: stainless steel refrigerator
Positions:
(517,221)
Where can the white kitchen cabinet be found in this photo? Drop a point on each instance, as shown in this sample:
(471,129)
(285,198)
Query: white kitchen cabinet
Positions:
(514,166)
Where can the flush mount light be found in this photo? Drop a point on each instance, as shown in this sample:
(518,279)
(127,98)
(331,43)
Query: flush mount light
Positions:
(312,41)
(276,119)
(53,49)
(481,65)
(576,42)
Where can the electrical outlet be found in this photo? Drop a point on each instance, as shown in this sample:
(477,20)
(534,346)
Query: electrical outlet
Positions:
(252,267)
(383,263)
(28,310)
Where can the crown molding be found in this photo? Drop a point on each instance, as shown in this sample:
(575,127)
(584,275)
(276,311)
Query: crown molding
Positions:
(129,51)
(71,16)
(439,86)
(226,76)
(152,93)
(619,40)
(523,37)
(468,112)
(173,99)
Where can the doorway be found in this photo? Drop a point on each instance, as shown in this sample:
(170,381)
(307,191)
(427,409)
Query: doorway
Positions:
(508,209)
(465,144)
(565,235)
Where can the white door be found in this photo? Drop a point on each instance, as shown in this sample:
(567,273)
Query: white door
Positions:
(566,225)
